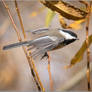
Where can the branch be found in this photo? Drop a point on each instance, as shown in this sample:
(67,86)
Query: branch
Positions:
(30,61)
(87,44)
(12,21)
(20,19)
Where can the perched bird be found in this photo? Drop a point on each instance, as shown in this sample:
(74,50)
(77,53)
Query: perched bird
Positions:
(46,40)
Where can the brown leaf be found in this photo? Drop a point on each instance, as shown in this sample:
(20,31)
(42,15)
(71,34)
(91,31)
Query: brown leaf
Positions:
(65,9)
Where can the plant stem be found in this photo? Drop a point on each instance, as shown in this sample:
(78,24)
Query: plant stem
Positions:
(50,77)
(30,61)
(20,19)
(87,44)
(12,21)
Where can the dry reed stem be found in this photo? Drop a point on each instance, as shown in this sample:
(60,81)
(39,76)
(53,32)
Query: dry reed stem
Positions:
(50,77)
(37,75)
(87,44)
(31,63)
(20,19)
(12,21)
(19,38)
(34,72)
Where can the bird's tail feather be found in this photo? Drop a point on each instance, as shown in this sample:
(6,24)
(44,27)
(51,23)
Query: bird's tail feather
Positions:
(25,43)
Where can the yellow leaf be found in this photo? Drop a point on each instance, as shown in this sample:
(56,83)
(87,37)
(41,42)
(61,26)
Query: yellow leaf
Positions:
(49,17)
(79,55)
(76,25)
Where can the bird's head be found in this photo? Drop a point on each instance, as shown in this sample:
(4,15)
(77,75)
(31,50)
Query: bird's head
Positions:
(69,36)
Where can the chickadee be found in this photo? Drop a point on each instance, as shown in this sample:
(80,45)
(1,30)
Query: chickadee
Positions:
(46,40)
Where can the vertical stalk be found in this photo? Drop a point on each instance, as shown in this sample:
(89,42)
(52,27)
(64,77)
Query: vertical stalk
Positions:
(50,77)
(87,44)
(31,62)
(12,20)
(32,66)
(20,19)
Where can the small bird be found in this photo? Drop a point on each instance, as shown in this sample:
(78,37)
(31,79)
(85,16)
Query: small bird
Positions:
(46,40)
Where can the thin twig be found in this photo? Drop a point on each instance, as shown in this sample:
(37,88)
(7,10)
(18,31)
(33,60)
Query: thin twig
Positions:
(19,38)
(31,63)
(8,10)
(20,19)
(87,44)
(38,78)
(50,77)
(34,72)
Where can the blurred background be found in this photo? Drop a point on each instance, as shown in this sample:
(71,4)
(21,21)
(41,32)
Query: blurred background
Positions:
(14,69)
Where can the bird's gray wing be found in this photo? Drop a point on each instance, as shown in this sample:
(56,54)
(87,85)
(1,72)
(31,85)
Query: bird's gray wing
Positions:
(38,31)
(44,45)
(43,30)
(42,50)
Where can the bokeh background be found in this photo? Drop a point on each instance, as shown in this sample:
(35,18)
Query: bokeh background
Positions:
(14,69)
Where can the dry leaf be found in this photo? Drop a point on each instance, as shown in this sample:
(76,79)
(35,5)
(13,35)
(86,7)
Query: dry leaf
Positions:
(76,25)
(66,10)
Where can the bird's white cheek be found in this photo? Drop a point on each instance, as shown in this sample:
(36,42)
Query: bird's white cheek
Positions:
(66,35)
(70,37)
